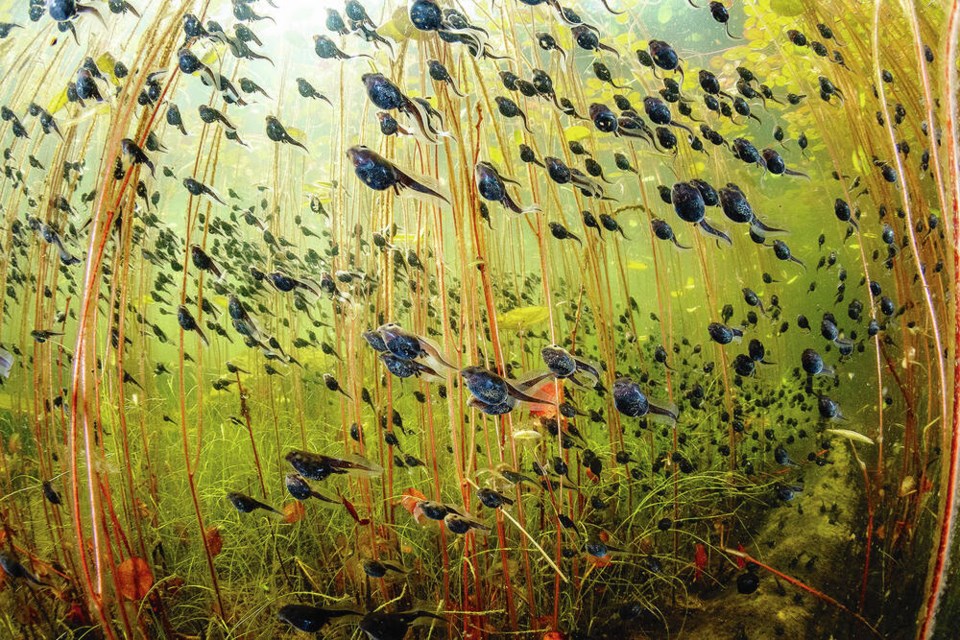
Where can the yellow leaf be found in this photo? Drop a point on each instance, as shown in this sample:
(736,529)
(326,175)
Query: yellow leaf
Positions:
(788,8)
(636,265)
(593,85)
(527,435)
(212,56)
(99,109)
(398,27)
(857,165)
(105,62)
(665,13)
(850,435)
(296,134)
(59,102)
(523,317)
(576,132)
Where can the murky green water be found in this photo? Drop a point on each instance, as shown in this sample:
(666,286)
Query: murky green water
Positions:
(171,345)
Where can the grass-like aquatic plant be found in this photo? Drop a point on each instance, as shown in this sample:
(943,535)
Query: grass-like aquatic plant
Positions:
(114,474)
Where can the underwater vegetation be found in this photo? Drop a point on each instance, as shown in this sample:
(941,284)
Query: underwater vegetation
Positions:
(534,318)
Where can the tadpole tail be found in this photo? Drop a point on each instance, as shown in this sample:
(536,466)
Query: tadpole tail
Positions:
(730,35)
(609,48)
(799,174)
(454,88)
(422,119)
(410,183)
(523,116)
(682,126)
(720,235)
(94,11)
(607,7)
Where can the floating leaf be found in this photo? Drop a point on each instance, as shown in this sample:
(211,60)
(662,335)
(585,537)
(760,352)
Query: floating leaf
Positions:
(527,435)
(788,8)
(599,563)
(411,498)
(98,109)
(496,156)
(352,510)
(523,317)
(297,134)
(665,13)
(850,435)
(576,132)
(405,238)
(399,27)
(549,395)
(106,63)
(214,540)
(907,486)
(593,85)
(134,578)
(58,103)
(213,55)
(293,512)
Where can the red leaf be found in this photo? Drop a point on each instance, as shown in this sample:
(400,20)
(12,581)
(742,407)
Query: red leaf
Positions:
(293,512)
(134,578)
(353,512)
(214,540)
(549,396)
(699,561)
(741,563)
(605,561)
(411,498)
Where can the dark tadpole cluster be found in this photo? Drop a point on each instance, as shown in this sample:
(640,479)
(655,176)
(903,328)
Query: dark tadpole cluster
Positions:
(565,143)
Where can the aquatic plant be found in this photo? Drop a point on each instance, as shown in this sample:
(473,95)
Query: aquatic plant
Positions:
(490,318)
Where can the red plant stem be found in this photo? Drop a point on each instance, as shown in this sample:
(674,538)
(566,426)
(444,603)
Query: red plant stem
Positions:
(949,437)
(804,587)
(871,509)
(949,488)
(494,338)
(245,411)
(79,374)
(880,354)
